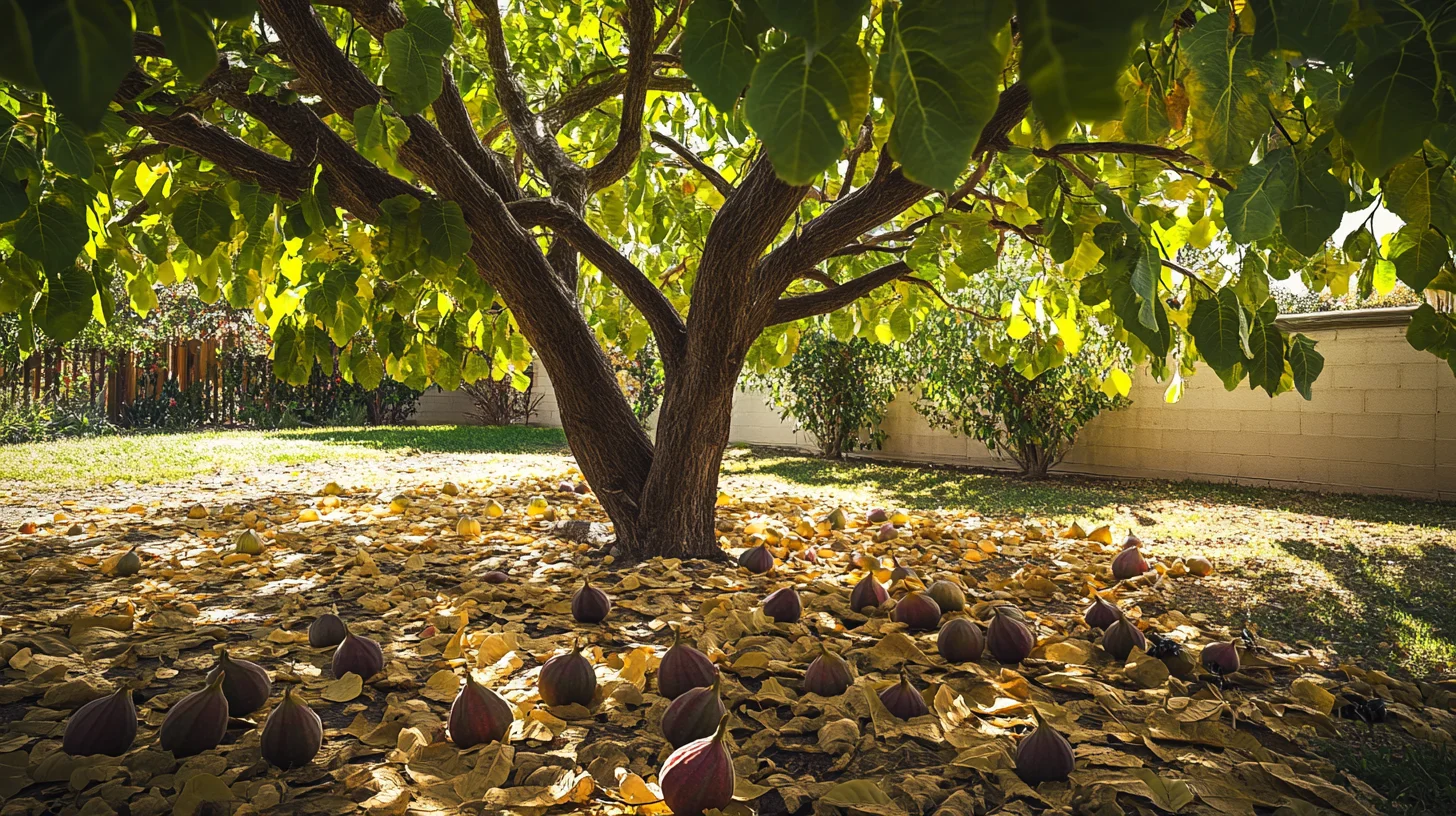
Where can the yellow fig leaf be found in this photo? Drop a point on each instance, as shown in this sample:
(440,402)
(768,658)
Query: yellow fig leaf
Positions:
(344,689)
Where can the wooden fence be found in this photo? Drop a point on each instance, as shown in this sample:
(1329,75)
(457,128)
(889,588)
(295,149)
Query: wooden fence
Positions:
(117,380)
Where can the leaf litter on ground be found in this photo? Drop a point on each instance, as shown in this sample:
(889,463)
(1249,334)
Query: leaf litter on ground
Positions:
(395,562)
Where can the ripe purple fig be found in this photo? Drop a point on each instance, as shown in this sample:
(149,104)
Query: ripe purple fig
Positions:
(244,683)
(359,655)
(694,715)
(918,611)
(1129,564)
(683,669)
(1101,614)
(784,605)
(903,699)
(901,572)
(107,725)
(829,675)
(948,595)
(1220,658)
(479,715)
(326,630)
(877,515)
(564,486)
(1044,756)
(1009,640)
(867,594)
(582,488)
(197,722)
(292,734)
(699,776)
(886,533)
(589,604)
(495,577)
(960,641)
(1120,638)
(566,679)
(757,560)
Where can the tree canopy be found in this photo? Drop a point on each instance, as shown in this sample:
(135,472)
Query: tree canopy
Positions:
(443,188)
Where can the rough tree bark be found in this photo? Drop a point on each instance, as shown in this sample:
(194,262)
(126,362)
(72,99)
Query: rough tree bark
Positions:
(660,497)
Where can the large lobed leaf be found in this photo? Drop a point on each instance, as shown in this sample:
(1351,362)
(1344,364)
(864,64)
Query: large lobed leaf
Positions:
(944,57)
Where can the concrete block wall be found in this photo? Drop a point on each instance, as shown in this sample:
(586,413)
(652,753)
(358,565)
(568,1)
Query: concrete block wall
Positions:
(1383,420)
(1375,425)
(439,407)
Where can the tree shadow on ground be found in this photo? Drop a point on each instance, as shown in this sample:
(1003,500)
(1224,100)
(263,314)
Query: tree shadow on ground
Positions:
(998,493)
(1399,597)
(442,438)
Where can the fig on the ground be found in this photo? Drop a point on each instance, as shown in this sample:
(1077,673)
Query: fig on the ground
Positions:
(589,604)
(292,734)
(694,715)
(479,715)
(197,722)
(683,668)
(699,776)
(244,683)
(107,725)
(1008,637)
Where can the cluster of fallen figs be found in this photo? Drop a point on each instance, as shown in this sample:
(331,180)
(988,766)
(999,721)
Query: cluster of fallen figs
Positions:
(292,734)
(699,773)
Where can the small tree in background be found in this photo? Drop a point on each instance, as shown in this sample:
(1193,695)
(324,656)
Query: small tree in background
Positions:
(1024,400)
(499,402)
(835,388)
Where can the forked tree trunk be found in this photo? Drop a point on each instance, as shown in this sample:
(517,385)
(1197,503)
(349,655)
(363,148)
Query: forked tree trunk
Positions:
(660,497)
(677,508)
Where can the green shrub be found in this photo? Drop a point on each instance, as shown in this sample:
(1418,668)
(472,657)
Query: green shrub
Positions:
(24,423)
(835,389)
(1023,401)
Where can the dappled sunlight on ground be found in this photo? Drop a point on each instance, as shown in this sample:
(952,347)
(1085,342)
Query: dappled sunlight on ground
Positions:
(1370,575)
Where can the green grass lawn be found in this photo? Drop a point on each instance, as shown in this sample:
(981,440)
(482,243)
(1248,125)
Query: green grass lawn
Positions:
(150,458)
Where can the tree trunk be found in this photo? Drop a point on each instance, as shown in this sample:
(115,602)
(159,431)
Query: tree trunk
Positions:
(676,516)
(1034,462)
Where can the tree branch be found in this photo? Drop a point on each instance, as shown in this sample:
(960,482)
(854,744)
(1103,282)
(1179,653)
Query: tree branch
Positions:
(865,141)
(925,284)
(749,220)
(715,178)
(667,325)
(863,249)
(883,198)
(240,159)
(358,184)
(183,128)
(583,97)
(887,195)
(641,17)
(379,17)
(531,132)
(1130,148)
(1172,157)
(311,50)
(1072,168)
(789,309)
